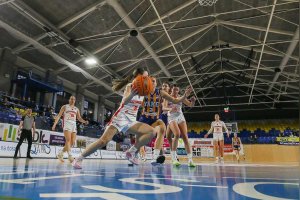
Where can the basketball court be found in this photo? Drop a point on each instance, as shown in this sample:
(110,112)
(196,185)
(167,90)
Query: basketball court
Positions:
(111,179)
(233,63)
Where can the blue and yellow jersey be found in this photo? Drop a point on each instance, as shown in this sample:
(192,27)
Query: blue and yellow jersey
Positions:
(152,104)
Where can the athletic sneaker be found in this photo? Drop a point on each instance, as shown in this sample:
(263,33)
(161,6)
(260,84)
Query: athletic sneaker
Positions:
(70,158)
(217,161)
(191,164)
(159,160)
(77,163)
(176,163)
(60,157)
(132,158)
(222,161)
(153,162)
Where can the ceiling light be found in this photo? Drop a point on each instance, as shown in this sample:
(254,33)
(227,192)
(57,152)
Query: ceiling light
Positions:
(90,61)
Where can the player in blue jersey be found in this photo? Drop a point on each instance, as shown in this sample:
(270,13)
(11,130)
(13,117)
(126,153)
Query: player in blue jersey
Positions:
(152,107)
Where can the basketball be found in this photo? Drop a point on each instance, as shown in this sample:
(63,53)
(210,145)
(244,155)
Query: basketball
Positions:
(143,84)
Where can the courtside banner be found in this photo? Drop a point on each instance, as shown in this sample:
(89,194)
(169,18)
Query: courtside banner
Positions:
(120,155)
(39,151)
(111,146)
(95,155)
(202,147)
(7,149)
(108,154)
(287,140)
(9,133)
(165,144)
(228,148)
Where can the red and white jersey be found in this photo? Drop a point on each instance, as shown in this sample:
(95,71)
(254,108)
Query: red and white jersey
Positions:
(178,109)
(70,113)
(131,109)
(218,126)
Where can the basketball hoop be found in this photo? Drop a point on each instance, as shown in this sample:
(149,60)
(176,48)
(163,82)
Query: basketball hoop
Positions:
(207,2)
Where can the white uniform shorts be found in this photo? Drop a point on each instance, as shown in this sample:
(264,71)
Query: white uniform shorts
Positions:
(179,118)
(70,126)
(123,122)
(218,136)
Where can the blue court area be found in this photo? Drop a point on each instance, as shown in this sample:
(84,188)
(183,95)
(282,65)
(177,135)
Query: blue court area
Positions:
(111,179)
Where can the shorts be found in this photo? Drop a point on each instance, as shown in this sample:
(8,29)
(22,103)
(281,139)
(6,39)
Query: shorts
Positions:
(70,126)
(218,136)
(164,117)
(122,122)
(177,118)
(147,120)
(236,147)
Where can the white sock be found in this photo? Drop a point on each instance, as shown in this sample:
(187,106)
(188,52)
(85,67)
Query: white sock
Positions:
(222,158)
(173,155)
(132,149)
(190,157)
(156,153)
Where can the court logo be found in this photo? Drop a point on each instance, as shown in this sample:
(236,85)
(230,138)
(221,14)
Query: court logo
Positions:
(40,149)
(39,137)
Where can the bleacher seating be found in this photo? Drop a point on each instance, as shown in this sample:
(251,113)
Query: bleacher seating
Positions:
(252,131)
(12,113)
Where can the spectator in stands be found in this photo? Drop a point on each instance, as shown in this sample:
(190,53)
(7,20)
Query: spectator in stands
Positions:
(255,138)
(251,139)
(51,117)
(27,125)
(43,117)
(281,134)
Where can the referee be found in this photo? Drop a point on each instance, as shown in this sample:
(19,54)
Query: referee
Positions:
(27,124)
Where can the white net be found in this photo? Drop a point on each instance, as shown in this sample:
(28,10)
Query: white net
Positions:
(207,2)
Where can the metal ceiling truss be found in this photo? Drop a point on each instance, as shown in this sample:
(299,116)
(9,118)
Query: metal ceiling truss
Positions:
(177,55)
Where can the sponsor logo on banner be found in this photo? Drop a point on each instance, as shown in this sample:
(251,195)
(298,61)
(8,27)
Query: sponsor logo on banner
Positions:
(41,151)
(201,142)
(181,151)
(8,132)
(124,147)
(287,140)
(228,148)
(41,136)
(120,155)
(111,146)
(108,154)
(202,147)
(96,154)
(75,152)
(165,144)
(196,151)
(57,140)
(7,149)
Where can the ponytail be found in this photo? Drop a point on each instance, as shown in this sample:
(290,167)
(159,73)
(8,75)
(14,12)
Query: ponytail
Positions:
(118,84)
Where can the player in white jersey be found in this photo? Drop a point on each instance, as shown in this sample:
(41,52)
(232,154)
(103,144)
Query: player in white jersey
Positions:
(124,120)
(178,127)
(218,137)
(70,113)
